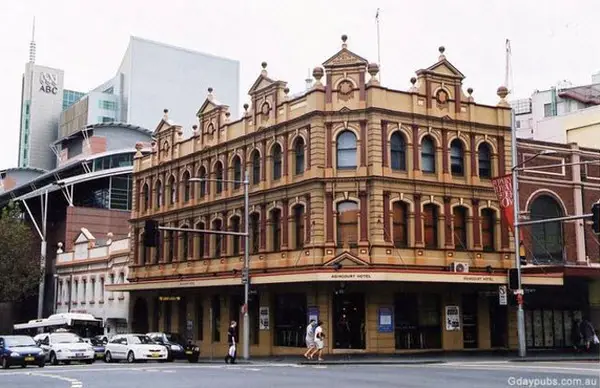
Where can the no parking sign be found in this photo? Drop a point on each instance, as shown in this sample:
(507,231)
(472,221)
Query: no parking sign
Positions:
(502,297)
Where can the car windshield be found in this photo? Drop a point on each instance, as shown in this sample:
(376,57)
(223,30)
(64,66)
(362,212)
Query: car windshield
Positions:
(66,338)
(12,342)
(140,339)
(174,337)
(95,342)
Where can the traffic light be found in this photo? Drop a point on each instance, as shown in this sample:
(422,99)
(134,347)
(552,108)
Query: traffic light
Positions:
(513,279)
(522,254)
(596,218)
(151,233)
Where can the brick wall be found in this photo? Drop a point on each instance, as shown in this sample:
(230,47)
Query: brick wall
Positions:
(98,221)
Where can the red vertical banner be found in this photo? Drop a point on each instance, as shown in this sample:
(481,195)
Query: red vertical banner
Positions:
(503,186)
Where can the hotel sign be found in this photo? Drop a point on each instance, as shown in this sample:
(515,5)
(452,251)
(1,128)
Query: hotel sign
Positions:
(48,83)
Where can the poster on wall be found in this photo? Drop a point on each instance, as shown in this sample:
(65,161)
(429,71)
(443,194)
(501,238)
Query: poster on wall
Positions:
(313,314)
(385,321)
(452,318)
(264,318)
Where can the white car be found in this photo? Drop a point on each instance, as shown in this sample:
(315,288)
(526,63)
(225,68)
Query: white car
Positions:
(65,347)
(134,347)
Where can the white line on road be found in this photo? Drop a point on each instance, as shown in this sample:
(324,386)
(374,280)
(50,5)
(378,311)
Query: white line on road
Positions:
(74,383)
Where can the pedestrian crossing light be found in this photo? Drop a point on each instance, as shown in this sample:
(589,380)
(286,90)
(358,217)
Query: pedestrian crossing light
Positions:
(596,217)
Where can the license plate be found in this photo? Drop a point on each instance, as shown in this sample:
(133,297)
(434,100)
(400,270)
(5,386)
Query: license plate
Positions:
(78,354)
(188,352)
(155,355)
(29,358)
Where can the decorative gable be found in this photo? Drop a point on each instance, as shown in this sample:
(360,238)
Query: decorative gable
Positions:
(346,259)
(84,237)
(345,58)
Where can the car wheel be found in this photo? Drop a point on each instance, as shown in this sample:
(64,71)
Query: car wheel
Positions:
(53,359)
(108,358)
(41,364)
(5,363)
(130,357)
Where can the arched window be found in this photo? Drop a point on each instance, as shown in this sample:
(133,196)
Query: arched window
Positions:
(234,225)
(485,160)
(237,172)
(255,167)
(218,225)
(299,155)
(346,150)
(347,223)
(547,237)
(459,215)
(187,187)
(427,154)
(202,176)
(276,229)
(400,216)
(218,177)
(430,223)
(276,157)
(159,194)
(298,213)
(398,151)
(201,239)
(457,161)
(254,224)
(173,190)
(488,227)
(146,196)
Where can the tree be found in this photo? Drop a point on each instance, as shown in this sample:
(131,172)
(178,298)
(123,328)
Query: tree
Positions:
(19,262)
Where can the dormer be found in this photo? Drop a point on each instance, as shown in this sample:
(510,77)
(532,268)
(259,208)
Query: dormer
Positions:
(345,77)
(212,116)
(441,84)
(167,135)
(266,94)
(82,243)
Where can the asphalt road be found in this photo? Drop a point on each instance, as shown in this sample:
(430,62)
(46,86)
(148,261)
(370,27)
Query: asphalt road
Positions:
(450,375)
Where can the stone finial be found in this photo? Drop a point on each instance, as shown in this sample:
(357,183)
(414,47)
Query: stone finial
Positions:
(318,74)
(502,92)
(263,72)
(442,49)
(470,98)
(165,114)
(154,146)
(138,150)
(373,70)
(227,115)
(60,246)
(210,93)
(413,88)
(344,39)
(109,238)
(246,106)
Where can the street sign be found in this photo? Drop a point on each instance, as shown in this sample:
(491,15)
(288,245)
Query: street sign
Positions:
(502,298)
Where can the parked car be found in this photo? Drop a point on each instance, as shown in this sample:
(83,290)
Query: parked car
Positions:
(178,348)
(65,347)
(20,350)
(98,346)
(134,347)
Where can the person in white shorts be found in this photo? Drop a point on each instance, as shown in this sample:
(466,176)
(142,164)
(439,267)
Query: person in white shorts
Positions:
(310,338)
(319,341)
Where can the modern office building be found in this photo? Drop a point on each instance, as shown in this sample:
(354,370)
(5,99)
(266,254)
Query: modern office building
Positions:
(370,209)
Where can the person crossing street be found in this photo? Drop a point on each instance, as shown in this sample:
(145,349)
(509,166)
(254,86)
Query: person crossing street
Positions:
(232,341)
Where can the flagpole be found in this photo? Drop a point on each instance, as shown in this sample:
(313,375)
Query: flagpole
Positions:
(378,44)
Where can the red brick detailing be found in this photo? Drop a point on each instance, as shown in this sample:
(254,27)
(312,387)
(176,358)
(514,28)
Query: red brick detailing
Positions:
(418,220)
(501,156)
(448,222)
(264,160)
(328,145)
(474,171)
(384,142)
(362,93)
(97,144)
(415,142)
(329,216)
(285,155)
(428,93)
(363,143)
(445,146)
(476,224)
(307,220)
(208,174)
(263,227)
(387,235)
(457,101)
(225,171)
(307,152)
(364,216)
(98,221)
(284,223)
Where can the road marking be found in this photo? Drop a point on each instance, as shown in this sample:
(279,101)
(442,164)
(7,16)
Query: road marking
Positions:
(74,382)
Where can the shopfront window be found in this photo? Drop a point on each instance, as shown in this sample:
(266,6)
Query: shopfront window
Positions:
(290,319)
(216,318)
(418,321)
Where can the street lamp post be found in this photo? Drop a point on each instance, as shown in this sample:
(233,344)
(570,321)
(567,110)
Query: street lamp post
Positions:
(246,270)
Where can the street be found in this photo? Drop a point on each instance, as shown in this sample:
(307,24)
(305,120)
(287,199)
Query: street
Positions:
(454,374)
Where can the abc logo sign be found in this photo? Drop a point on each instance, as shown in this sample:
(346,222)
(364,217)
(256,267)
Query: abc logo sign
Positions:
(49,83)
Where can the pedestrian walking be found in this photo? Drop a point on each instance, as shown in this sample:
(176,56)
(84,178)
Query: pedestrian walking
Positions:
(232,341)
(319,341)
(310,339)
(588,334)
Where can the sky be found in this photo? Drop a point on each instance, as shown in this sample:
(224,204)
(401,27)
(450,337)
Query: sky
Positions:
(551,41)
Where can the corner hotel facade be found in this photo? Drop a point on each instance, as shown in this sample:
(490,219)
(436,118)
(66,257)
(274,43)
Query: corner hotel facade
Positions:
(366,203)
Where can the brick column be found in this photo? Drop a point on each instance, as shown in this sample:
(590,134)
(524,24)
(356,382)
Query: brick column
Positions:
(457,98)
(207,241)
(415,142)
(307,150)
(363,142)
(476,225)
(384,143)
(263,228)
(387,233)
(208,175)
(364,216)
(448,223)
(225,172)
(224,237)
(418,221)
(474,171)
(445,146)
(285,224)
(328,145)
(329,217)
(264,161)
(307,220)
(285,155)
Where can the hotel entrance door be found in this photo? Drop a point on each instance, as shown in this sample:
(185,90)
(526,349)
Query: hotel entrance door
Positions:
(349,323)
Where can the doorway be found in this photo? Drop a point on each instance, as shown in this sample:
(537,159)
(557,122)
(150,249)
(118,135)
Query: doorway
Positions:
(498,323)
(349,321)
